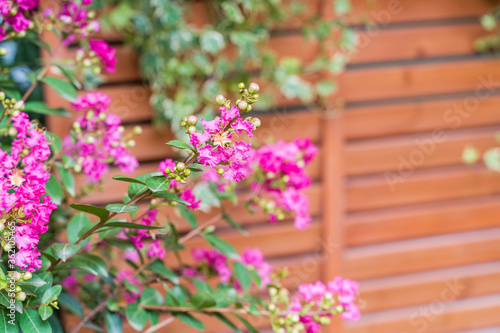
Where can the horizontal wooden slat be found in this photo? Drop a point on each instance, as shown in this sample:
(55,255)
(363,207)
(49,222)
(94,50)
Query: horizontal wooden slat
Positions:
(422,116)
(403,154)
(400,223)
(391,190)
(423,288)
(423,254)
(419,79)
(436,317)
(419,42)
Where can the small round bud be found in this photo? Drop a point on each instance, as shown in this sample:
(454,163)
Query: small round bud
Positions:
(90,140)
(271,307)
(137,130)
(21,296)
(185,119)
(178,178)
(131,143)
(241,85)
(12,131)
(191,129)
(325,321)
(91,14)
(27,276)
(101,117)
(3,51)
(19,105)
(209,229)
(183,124)
(192,120)
(180,167)
(18,289)
(87,62)
(242,105)
(78,168)
(121,129)
(253,88)
(220,171)
(16,113)
(16,276)
(96,70)
(168,171)
(220,100)
(187,172)
(295,318)
(280,216)
(2,227)
(26,151)
(2,96)
(249,108)
(256,96)
(273,291)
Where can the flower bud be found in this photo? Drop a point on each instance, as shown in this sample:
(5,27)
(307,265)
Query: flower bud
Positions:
(19,105)
(27,276)
(241,85)
(242,105)
(209,229)
(253,88)
(180,167)
(187,172)
(16,276)
(18,289)
(249,108)
(220,100)
(96,70)
(91,14)
(130,143)
(12,131)
(2,96)
(21,34)
(87,62)
(271,307)
(21,296)
(273,291)
(168,171)
(121,129)
(16,113)
(220,171)
(78,168)
(2,226)
(3,51)
(256,122)
(101,117)
(183,124)
(192,120)
(191,129)
(137,130)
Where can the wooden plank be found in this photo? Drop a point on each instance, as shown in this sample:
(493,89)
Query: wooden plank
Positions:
(415,152)
(420,116)
(436,317)
(392,190)
(419,43)
(424,287)
(384,82)
(422,254)
(384,12)
(436,218)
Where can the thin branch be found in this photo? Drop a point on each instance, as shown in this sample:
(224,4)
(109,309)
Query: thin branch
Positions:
(160,325)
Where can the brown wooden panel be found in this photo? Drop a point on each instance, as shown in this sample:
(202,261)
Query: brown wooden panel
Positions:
(400,223)
(423,288)
(415,152)
(419,43)
(391,189)
(423,254)
(384,12)
(419,79)
(446,317)
(412,117)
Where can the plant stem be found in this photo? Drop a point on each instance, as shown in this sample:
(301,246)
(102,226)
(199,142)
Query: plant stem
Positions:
(161,324)
(101,223)
(42,72)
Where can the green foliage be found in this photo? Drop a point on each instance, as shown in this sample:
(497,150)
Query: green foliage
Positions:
(187,65)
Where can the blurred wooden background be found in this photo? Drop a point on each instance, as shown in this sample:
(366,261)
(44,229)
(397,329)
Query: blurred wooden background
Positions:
(394,206)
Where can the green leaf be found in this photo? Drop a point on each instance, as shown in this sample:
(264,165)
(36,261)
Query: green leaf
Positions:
(180,144)
(169,196)
(242,275)
(67,179)
(130,225)
(128,180)
(92,264)
(69,75)
(50,294)
(5,326)
(342,7)
(247,323)
(203,300)
(235,225)
(189,320)
(4,298)
(35,281)
(254,310)
(151,296)
(136,316)
(202,285)
(325,88)
(212,41)
(94,210)
(121,208)
(63,88)
(45,311)
(41,108)
(188,216)
(77,227)
(113,322)
(32,323)
(158,183)
(159,268)
(55,324)
(64,251)
(130,286)
(227,322)
(224,247)
(71,304)
(54,142)
(54,190)
(136,188)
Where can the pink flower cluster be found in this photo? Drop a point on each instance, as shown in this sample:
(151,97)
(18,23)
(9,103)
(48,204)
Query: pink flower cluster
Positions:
(105,53)
(73,18)
(23,10)
(99,138)
(217,146)
(155,247)
(283,177)
(337,292)
(130,296)
(217,263)
(23,203)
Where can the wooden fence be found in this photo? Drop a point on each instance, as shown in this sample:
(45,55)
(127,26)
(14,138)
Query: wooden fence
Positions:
(393,205)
